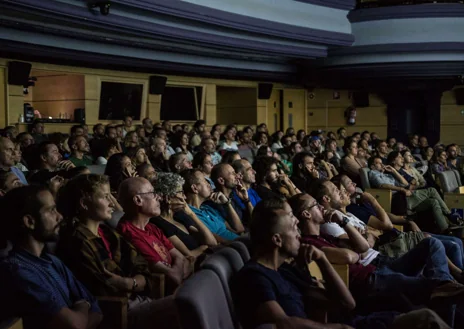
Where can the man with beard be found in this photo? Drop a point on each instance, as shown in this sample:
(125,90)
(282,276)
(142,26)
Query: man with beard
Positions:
(37,286)
(198,191)
(225,179)
(304,170)
(209,146)
(247,177)
(269,182)
(79,149)
(454,160)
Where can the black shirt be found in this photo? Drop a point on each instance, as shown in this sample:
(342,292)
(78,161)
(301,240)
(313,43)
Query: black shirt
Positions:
(172,230)
(265,193)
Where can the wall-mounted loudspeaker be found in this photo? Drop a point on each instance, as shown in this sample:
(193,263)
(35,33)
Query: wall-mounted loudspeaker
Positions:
(264,90)
(157,84)
(18,73)
(360,99)
(459,94)
(79,116)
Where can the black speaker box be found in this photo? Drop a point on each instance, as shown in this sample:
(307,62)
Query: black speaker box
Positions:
(459,94)
(79,116)
(264,90)
(18,73)
(361,99)
(157,84)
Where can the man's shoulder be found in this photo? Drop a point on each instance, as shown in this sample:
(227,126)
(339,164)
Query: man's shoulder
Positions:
(252,273)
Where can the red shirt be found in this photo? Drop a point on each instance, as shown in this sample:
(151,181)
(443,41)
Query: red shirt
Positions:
(151,242)
(359,274)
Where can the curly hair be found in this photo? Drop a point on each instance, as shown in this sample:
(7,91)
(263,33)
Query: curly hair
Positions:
(168,184)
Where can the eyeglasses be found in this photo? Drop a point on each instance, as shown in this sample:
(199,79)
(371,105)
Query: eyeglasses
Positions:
(312,206)
(153,193)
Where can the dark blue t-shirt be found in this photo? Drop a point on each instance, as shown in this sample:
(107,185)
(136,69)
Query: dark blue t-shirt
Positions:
(362,211)
(37,288)
(255,285)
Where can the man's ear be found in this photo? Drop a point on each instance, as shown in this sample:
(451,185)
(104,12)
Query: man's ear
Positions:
(194,188)
(300,166)
(277,239)
(29,222)
(326,198)
(221,180)
(2,193)
(152,148)
(306,214)
(137,200)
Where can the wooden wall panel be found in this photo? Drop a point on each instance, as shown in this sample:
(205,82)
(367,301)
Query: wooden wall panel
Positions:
(235,104)
(451,120)
(327,113)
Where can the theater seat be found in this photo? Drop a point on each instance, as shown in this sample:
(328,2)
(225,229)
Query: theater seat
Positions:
(16,323)
(383,196)
(202,303)
(449,181)
(97,169)
(242,249)
(225,263)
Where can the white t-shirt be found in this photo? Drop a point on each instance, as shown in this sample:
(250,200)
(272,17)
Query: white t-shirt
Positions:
(335,230)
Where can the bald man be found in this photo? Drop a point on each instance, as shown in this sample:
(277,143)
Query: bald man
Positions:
(227,181)
(140,203)
(7,159)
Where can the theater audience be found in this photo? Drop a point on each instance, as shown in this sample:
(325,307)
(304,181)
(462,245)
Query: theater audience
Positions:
(108,147)
(225,179)
(181,144)
(79,151)
(179,162)
(119,168)
(209,146)
(101,258)
(140,203)
(147,171)
(177,221)
(350,163)
(421,274)
(7,159)
(424,200)
(198,191)
(35,285)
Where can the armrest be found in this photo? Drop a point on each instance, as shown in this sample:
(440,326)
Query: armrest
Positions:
(344,272)
(399,227)
(14,323)
(383,196)
(114,311)
(454,200)
(158,280)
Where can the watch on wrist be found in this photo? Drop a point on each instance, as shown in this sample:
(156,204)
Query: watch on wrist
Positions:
(229,201)
(246,201)
(344,222)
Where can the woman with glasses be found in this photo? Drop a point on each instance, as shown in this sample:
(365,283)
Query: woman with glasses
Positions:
(177,221)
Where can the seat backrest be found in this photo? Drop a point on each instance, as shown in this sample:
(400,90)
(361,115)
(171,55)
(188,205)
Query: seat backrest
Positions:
(225,263)
(242,249)
(202,303)
(16,323)
(458,177)
(448,181)
(247,154)
(364,175)
(97,169)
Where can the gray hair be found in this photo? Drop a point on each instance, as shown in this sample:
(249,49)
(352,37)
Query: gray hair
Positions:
(168,183)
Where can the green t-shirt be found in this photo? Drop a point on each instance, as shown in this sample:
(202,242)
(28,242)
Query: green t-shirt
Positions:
(85,161)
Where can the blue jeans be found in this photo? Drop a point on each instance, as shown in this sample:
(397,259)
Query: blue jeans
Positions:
(415,274)
(453,247)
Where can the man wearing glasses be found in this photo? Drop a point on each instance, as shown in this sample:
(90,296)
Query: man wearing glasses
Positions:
(140,204)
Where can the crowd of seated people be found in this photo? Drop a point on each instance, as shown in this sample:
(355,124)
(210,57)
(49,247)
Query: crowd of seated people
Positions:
(103,215)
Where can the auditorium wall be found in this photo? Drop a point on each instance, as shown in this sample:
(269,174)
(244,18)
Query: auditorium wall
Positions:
(326,112)
(451,120)
(12,98)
